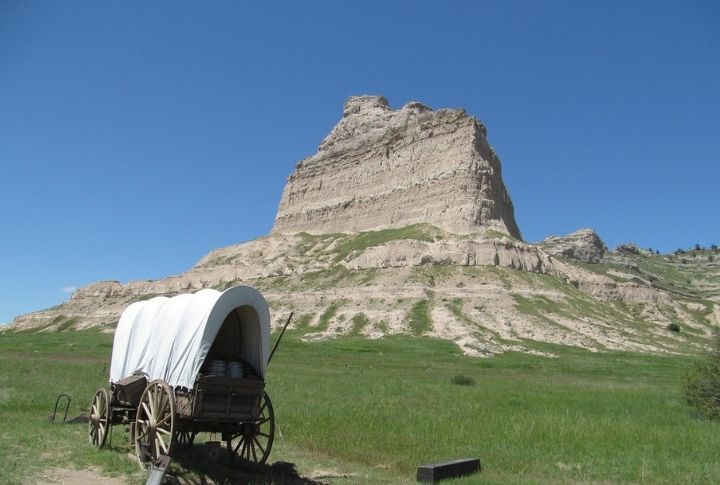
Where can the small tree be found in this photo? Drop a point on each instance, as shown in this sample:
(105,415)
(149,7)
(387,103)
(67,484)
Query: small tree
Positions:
(702,388)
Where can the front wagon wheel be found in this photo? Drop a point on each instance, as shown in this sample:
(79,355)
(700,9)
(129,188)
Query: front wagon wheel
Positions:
(253,440)
(98,424)
(155,422)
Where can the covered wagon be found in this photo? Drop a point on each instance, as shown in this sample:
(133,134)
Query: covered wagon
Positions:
(192,363)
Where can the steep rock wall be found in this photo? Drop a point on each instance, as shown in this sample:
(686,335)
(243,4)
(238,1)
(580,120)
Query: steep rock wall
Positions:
(382,168)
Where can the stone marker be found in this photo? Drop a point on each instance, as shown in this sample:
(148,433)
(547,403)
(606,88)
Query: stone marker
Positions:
(449,469)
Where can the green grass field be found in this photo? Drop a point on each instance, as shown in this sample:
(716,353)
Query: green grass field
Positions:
(353,410)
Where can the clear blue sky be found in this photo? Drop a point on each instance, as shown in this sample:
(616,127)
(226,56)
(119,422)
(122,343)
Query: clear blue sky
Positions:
(137,136)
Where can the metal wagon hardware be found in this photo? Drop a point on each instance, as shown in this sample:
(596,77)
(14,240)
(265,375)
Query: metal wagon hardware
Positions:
(189,364)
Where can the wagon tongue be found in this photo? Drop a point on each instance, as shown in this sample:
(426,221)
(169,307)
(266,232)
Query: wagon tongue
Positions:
(280,337)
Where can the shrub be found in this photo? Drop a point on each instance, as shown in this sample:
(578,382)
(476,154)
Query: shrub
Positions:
(463,380)
(673,327)
(702,388)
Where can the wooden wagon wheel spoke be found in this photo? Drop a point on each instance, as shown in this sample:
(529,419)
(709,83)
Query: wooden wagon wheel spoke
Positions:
(151,401)
(258,444)
(162,444)
(143,427)
(248,447)
(147,411)
(185,438)
(240,442)
(242,450)
(255,443)
(164,420)
(161,404)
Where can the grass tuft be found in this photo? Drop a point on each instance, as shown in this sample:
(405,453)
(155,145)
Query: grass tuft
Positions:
(419,318)
(462,380)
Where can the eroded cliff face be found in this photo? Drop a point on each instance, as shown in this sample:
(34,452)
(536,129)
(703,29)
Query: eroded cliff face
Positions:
(382,168)
(486,292)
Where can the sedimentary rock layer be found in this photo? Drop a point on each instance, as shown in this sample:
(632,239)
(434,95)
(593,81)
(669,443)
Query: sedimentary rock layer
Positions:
(381,168)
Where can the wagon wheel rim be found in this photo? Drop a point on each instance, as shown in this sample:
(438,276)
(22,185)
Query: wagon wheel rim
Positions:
(253,440)
(98,423)
(155,422)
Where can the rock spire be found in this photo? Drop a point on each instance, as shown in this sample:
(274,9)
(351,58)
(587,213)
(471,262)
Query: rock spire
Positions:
(381,168)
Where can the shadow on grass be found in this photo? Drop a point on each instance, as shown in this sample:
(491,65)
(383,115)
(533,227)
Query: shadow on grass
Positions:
(202,465)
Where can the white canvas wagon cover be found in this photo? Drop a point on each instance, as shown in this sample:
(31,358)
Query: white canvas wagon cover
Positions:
(169,338)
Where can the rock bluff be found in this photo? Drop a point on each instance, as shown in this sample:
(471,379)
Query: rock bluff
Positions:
(383,168)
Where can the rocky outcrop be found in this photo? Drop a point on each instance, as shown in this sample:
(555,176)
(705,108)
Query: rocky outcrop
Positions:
(381,168)
(584,245)
(455,252)
(485,292)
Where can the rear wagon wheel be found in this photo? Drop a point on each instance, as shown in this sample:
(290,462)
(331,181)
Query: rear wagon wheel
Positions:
(254,440)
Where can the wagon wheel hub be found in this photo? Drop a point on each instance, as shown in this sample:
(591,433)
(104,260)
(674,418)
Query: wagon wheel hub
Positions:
(152,427)
(250,429)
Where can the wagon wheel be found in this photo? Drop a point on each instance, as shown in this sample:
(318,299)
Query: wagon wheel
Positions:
(253,440)
(98,424)
(155,422)
(185,438)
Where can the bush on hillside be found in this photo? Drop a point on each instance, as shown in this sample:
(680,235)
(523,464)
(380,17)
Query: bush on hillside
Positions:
(673,327)
(702,388)
(463,380)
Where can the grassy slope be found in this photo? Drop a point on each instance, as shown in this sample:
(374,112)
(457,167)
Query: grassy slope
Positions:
(691,279)
(373,410)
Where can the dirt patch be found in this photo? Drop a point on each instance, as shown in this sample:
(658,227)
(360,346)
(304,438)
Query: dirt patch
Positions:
(69,476)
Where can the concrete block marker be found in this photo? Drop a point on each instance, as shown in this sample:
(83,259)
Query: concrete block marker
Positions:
(157,472)
(435,472)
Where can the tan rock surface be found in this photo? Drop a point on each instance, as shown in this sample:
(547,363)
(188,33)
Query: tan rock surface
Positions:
(487,294)
(381,168)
